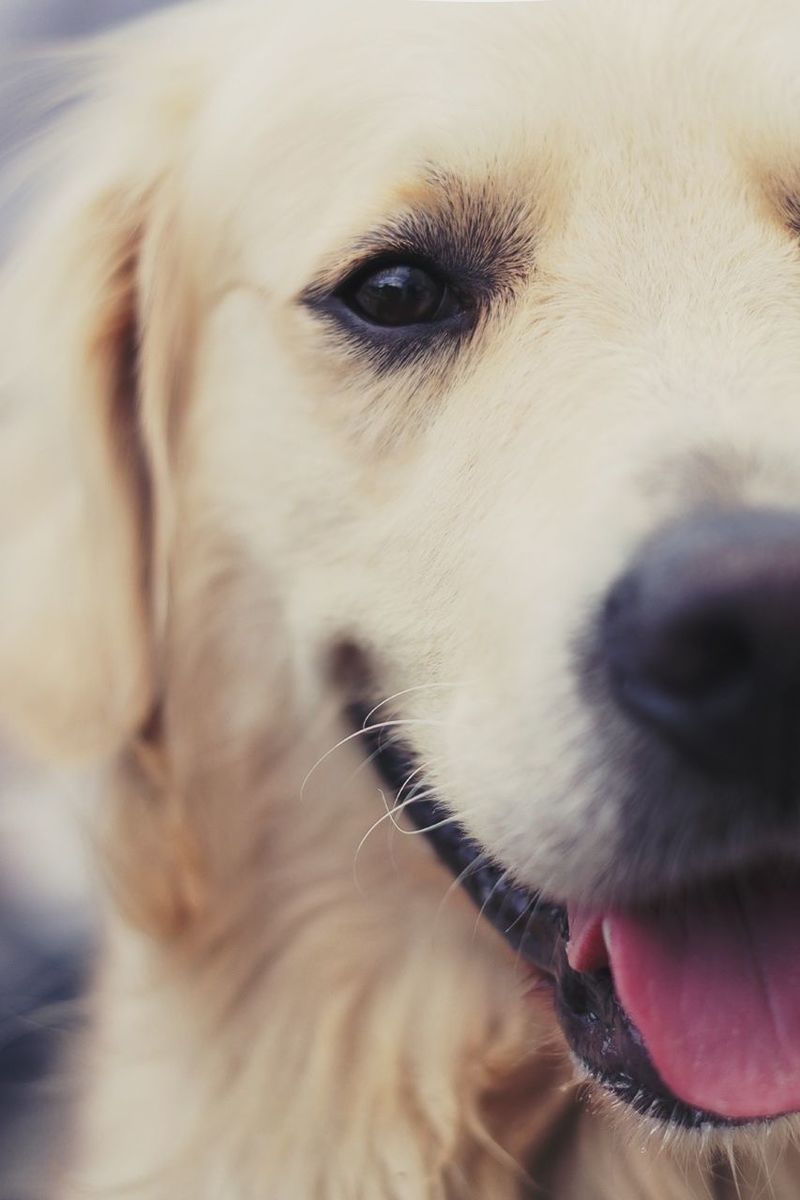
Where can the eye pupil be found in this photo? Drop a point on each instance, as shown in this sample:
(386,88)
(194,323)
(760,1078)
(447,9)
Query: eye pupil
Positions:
(400,294)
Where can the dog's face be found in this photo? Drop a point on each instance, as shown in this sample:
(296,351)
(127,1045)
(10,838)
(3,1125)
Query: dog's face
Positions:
(493,362)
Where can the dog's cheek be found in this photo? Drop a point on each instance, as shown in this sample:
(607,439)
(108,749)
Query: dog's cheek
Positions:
(232,696)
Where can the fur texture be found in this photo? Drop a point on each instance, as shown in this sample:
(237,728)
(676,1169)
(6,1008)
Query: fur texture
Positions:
(209,490)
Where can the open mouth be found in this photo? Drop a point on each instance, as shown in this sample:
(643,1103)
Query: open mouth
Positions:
(688,1011)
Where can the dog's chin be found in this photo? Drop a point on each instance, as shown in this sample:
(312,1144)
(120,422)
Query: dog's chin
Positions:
(632,990)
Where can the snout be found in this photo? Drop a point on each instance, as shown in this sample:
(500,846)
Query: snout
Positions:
(658,892)
(701,640)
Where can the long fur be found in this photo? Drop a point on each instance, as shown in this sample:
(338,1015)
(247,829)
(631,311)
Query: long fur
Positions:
(206,494)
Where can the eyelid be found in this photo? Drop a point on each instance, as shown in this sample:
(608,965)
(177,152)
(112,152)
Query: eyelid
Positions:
(331,279)
(329,287)
(374,266)
(393,242)
(378,260)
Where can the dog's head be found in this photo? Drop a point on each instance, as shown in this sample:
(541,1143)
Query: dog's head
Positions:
(466,338)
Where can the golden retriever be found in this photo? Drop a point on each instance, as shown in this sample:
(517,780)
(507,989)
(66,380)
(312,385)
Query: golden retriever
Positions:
(401,476)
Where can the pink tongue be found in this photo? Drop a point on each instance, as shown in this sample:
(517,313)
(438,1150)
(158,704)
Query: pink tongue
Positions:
(713,988)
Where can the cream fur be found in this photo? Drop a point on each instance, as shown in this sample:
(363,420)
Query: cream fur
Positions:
(206,493)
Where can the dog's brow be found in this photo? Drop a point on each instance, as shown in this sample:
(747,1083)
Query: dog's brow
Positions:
(474,232)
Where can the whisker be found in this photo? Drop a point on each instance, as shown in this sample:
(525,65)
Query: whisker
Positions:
(426,828)
(359,733)
(477,862)
(492,891)
(530,915)
(375,825)
(392,810)
(390,815)
(370,759)
(417,771)
(420,687)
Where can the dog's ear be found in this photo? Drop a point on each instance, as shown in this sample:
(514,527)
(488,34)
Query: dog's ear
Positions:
(88,357)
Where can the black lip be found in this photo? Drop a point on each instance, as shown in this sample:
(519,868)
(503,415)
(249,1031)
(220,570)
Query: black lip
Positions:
(597,1028)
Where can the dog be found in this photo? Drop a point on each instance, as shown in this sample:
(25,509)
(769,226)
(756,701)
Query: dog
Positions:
(401,461)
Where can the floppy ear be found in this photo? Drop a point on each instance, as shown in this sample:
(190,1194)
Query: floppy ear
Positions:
(88,349)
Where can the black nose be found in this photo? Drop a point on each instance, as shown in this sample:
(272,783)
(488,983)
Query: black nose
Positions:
(702,641)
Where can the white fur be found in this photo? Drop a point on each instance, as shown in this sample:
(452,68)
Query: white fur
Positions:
(272,1021)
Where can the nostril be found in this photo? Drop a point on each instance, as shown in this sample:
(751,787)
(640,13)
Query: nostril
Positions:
(700,658)
(694,682)
(701,641)
(620,601)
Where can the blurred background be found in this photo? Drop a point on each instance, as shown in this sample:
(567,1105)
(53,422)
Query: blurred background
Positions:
(47,914)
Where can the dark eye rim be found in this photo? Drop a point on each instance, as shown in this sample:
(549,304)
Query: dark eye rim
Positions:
(333,303)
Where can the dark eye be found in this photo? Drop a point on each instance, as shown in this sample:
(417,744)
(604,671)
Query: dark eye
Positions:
(399,294)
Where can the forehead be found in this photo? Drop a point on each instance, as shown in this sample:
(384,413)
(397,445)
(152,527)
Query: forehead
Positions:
(346,112)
